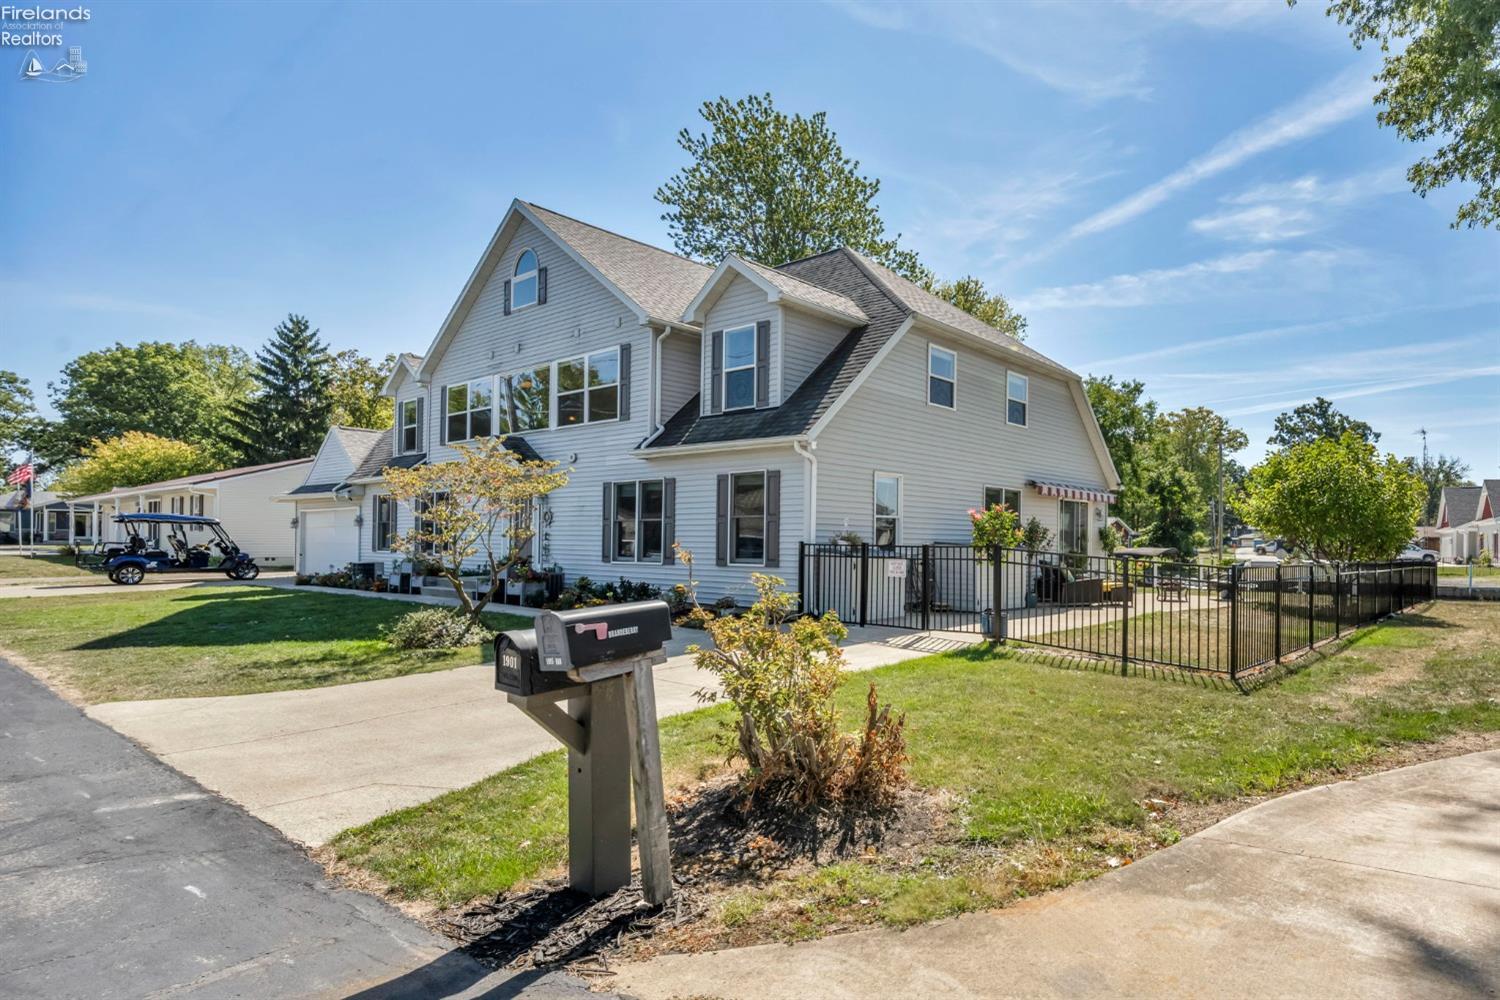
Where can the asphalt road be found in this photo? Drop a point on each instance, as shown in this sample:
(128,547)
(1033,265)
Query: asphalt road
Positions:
(119,877)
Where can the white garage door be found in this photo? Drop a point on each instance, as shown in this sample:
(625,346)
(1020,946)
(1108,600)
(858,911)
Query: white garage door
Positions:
(329,540)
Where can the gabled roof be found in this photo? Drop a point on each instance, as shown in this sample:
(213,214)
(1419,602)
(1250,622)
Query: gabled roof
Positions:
(777,286)
(198,480)
(1489,498)
(1458,505)
(407,364)
(655,284)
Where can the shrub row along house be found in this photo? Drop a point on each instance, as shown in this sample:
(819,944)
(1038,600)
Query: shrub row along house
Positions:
(738,410)
(1467,522)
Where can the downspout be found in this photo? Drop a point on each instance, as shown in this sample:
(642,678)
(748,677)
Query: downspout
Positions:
(656,421)
(805,449)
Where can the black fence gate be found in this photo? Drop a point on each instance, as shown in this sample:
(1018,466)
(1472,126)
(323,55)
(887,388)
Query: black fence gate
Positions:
(1229,620)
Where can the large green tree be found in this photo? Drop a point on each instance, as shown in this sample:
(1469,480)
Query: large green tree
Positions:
(1440,81)
(1190,439)
(17,414)
(354,388)
(1127,419)
(775,187)
(1436,473)
(1315,420)
(132,459)
(179,391)
(1178,505)
(1336,500)
(290,411)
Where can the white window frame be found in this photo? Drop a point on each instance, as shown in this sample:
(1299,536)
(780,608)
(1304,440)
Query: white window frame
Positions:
(517,277)
(415,426)
(390,503)
(765,479)
(488,383)
(936,348)
(1084,530)
(1026,384)
(640,520)
(1003,490)
(876,517)
(754,359)
(587,389)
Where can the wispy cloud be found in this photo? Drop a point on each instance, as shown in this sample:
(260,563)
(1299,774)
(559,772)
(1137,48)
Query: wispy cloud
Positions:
(1179,284)
(18,292)
(1216,14)
(1085,50)
(1379,387)
(1271,213)
(1336,101)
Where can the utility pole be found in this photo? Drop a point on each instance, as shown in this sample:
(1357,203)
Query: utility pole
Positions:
(1219,505)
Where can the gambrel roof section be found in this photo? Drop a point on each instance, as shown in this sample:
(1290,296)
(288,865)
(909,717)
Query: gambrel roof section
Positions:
(655,284)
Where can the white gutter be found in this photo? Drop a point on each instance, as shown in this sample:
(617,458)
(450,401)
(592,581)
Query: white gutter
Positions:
(745,444)
(811,490)
(656,421)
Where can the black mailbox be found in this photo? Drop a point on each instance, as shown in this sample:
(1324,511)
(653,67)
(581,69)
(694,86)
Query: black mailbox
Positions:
(516,666)
(582,637)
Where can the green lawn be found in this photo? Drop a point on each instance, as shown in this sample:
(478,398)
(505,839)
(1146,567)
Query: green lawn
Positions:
(1463,571)
(194,642)
(39,567)
(1039,759)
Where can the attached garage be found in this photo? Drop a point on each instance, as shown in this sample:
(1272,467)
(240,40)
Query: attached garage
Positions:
(328,536)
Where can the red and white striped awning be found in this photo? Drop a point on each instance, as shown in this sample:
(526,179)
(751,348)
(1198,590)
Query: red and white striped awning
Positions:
(1067,491)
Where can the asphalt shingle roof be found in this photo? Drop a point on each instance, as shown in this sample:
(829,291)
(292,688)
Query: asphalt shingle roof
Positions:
(795,288)
(660,282)
(202,477)
(1462,503)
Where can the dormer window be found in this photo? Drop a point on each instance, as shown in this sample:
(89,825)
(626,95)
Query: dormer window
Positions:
(739,368)
(410,421)
(523,287)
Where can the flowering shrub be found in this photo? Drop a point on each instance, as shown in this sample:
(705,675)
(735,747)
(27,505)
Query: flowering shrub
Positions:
(995,525)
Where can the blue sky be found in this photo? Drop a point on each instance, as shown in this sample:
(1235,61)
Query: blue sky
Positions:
(1196,195)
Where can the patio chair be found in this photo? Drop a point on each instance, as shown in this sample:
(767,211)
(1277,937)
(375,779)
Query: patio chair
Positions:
(1058,585)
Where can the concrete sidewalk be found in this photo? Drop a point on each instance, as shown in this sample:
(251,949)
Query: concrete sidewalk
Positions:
(314,762)
(1387,886)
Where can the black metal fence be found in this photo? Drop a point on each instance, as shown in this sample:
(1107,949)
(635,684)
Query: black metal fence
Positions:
(1235,621)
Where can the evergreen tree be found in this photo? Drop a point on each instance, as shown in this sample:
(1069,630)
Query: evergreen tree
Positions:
(289,413)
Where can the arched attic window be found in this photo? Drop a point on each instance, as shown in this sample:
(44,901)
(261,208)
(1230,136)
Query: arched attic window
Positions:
(525,285)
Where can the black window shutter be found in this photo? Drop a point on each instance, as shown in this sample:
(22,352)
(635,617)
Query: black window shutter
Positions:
(443,420)
(609,517)
(773,518)
(421,427)
(507,296)
(541,286)
(624,381)
(721,522)
(668,520)
(763,364)
(716,373)
(375,523)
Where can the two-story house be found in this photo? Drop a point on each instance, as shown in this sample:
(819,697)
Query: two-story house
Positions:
(737,409)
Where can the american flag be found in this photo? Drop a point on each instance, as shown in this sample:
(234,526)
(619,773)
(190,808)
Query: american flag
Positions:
(21,474)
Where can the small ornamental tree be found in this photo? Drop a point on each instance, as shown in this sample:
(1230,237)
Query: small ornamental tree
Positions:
(132,459)
(995,525)
(470,511)
(1336,500)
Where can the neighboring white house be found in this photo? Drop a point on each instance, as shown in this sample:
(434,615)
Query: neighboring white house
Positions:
(244,501)
(1467,523)
(738,410)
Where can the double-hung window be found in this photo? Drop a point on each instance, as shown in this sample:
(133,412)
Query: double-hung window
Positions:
(739,368)
(523,287)
(747,517)
(385,522)
(1072,527)
(426,525)
(1017,390)
(942,376)
(588,388)
(410,435)
(1008,498)
(638,521)
(529,400)
(470,410)
(887,510)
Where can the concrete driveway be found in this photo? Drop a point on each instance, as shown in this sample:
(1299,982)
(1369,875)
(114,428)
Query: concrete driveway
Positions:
(1387,886)
(312,763)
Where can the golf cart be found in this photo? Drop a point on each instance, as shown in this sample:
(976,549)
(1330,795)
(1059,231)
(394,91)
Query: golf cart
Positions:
(129,561)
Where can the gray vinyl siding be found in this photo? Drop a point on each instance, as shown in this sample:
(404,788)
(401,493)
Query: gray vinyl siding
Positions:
(805,341)
(946,457)
(679,372)
(741,304)
(331,465)
(260,525)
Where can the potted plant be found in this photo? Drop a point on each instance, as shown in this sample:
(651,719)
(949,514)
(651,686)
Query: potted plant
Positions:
(1034,538)
(526,582)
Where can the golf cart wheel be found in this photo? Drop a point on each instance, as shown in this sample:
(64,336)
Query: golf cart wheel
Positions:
(128,575)
(245,571)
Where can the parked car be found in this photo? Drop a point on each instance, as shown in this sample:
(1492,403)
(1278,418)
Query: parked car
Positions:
(1415,553)
(1270,547)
